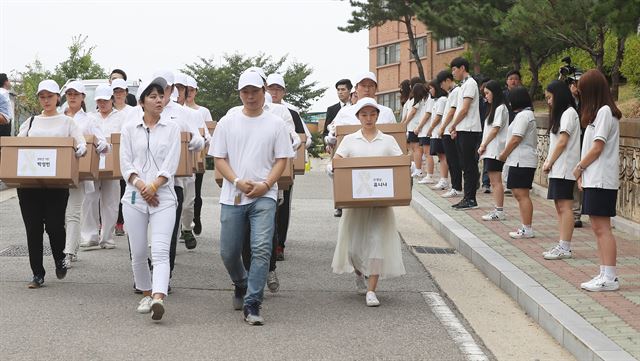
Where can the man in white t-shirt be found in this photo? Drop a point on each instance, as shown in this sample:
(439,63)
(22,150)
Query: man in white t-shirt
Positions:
(7,114)
(466,130)
(250,149)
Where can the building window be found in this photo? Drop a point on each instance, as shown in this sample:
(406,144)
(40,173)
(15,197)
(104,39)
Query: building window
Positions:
(449,43)
(389,54)
(421,46)
(391,100)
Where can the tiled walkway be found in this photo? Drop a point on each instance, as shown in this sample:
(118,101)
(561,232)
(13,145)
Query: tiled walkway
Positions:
(616,314)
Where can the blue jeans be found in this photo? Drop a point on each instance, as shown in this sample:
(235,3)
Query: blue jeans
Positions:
(260,216)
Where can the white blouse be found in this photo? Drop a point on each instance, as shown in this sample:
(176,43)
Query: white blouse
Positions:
(525,154)
(500,120)
(604,171)
(567,161)
(58,125)
(356,145)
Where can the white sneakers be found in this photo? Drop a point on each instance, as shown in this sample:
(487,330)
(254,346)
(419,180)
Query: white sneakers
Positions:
(494,215)
(86,244)
(441,185)
(521,233)
(428,179)
(451,194)
(557,252)
(361,284)
(108,244)
(372,300)
(600,283)
(417,173)
(157,309)
(144,306)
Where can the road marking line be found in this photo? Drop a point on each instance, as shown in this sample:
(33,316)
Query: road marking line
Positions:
(467,345)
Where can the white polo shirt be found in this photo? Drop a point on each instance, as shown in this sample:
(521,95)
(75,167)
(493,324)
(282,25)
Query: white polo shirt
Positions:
(500,120)
(438,110)
(525,154)
(150,153)
(417,116)
(58,125)
(251,145)
(567,161)
(356,145)
(427,109)
(471,122)
(452,102)
(406,108)
(603,172)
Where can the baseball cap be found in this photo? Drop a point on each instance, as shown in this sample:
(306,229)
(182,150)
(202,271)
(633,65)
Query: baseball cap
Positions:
(75,85)
(48,85)
(191,81)
(257,69)
(154,80)
(104,92)
(365,102)
(250,78)
(119,84)
(181,78)
(275,78)
(167,75)
(367,75)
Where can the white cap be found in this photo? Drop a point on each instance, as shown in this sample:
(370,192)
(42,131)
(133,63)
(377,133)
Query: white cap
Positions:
(104,92)
(367,75)
(275,78)
(257,69)
(75,85)
(250,78)
(166,75)
(191,81)
(181,78)
(365,102)
(268,98)
(155,80)
(119,84)
(48,85)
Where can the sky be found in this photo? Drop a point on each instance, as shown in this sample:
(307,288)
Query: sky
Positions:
(141,36)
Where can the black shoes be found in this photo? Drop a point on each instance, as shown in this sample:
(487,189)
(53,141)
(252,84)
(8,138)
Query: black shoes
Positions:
(61,269)
(577,223)
(466,204)
(238,297)
(337,213)
(36,282)
(189,239)
(252,315)
(197,228)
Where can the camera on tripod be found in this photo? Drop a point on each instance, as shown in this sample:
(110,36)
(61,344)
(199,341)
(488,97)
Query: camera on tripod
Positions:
(569,73)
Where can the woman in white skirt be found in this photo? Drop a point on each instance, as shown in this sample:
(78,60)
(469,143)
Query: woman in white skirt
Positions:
(368,241)
(149,156)
(75,93)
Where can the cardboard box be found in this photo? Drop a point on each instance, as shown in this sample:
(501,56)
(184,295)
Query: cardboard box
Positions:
(109,167)
(372,181)
(185,166)
(300,160)
(198,157)
(211,127)
(397,130)
(88,165)
(284,182)
(39,162)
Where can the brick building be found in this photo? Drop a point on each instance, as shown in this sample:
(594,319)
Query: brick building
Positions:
(391,61)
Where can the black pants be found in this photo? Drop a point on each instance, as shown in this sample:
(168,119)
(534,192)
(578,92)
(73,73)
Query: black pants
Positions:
(197,205)
(5,129)
(283,214)
(467,144)
(246,247)
(43,210)
(451,153)
(176,227)
(123,186)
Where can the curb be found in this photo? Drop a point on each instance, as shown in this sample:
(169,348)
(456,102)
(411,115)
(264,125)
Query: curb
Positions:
(573,332)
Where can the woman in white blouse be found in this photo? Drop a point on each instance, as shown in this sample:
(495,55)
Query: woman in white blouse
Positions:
(149,156)
(436,148)
(597,172)
(43,209)
(494,137)
(368,241)
(75,94)
(562,157)
(520,155)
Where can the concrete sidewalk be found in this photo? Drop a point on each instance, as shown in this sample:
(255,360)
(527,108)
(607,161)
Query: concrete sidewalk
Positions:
(590,325)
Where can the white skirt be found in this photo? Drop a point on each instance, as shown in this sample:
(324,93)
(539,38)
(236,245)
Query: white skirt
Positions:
(368,241)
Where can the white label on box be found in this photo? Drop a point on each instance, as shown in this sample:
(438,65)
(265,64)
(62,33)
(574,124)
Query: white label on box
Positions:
(37,162)
(372,183)
(103,160)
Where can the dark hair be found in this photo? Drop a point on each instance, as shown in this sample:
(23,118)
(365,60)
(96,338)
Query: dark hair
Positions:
(443,76)
(439,91)
(345,82)
(145,93)
(405,90)
(418,93)
(519,98)
(512,72)
(498,99)
(119,71)
(562,100)
(459,62)
(416,80)
(3,79)
(594,94)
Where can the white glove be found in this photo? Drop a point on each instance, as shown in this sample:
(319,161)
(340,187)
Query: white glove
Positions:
(207,141)
(330,170)
(295,144)
(196,143)
(280,197)
(102,147)
(330,139)
(81,150)
(309,143)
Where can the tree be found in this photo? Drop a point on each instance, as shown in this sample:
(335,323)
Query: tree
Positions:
(80,64)
(374,13)
(27,102)
(218,83)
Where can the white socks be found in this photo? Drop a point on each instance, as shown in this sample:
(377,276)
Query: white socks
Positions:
(565,245)
(609,272)
(527,228)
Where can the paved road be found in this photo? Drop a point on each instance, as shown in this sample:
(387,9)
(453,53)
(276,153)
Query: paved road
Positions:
(316,315)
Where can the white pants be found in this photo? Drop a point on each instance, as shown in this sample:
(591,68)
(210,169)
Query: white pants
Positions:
(72,218)
(101,206)
(137,225)
(189,189)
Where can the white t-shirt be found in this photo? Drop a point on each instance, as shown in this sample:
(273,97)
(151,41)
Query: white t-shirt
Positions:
(406,108)
(347,116)
(251,145)
(603,172)
(111,124)
(88,125)
(525,154)
(567,161)
(500,120)
(452,102)
(5,93)
(278,110)
(471,122)
(58,125)
(356,145)
(204,113)
(417,116)
(427,109)
(438,110)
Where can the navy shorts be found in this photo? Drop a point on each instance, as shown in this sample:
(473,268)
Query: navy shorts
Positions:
(560,189)
(520,177)
(599,202)
(412,137)
(436,147)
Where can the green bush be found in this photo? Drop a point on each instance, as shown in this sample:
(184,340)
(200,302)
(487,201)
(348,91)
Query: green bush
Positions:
(631,63)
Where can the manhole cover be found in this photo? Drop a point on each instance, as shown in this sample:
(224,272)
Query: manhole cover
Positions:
(21,251)
(434,250)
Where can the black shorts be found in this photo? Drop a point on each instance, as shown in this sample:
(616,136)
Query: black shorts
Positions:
(599,202)
(493,165)
(520,177)
(560,188)
(412,137)
(436,147)
(424,141)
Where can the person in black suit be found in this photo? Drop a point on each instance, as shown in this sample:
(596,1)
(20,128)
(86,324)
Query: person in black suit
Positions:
(343,88)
